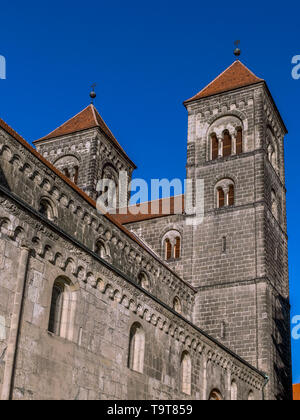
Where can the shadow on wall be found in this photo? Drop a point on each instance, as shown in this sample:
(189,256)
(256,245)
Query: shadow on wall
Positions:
(3,180)
(280,337)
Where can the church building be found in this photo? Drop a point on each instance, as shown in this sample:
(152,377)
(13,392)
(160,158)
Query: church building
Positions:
(143,306)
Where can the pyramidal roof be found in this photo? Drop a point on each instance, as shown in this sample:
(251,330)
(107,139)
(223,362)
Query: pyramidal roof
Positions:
(235,76)
(84,120)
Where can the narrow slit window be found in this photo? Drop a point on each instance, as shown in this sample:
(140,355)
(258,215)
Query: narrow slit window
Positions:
(56,309)
(221,198)
(214,147)
(239,141)
(177,248)
(226,144)
(231,195)
(168,249)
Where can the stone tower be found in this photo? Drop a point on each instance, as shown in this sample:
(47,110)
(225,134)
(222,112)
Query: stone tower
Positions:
(237,258)
(239,253)
(85,150)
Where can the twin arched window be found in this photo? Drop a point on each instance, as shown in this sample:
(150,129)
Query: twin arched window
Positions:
(136,348)
(69,166)
(225,193)
(172,245)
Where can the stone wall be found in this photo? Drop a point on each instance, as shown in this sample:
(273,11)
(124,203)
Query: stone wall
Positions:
(92,362)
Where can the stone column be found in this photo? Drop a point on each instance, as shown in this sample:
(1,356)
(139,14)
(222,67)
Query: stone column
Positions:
(15,326)
(233,135)
(220,152)
(226,194)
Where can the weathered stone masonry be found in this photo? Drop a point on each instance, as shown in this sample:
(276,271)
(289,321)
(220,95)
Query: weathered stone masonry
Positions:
(140,317)
(243,291)
(92,363)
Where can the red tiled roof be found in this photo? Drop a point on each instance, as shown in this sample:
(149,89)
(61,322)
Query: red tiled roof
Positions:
(152,210)
(296,392)
(84,120)
(235,76)
(88,199)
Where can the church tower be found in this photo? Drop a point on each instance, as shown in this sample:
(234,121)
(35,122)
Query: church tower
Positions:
(239,252)
(85,150)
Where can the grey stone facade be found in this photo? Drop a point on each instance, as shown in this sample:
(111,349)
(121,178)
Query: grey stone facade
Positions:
(232,324)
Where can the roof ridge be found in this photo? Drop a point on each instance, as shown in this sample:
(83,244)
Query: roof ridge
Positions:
(94,114)
(250,71)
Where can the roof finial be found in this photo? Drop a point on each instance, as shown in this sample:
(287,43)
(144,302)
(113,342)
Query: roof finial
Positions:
(93,93)
(237,51)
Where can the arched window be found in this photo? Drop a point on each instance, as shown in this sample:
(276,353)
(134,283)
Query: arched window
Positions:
(177,248)
(231,195)
(56,308)
(186,373)
(274,205)
(221,198)
(144,281)
(215,395)
(239,141)
(233,391)
(136,348)
(214,147)
(177,305)
(46,209)
(171,245)
(69,166)
(168,249)
(225,193)
(62,309)
(226,144)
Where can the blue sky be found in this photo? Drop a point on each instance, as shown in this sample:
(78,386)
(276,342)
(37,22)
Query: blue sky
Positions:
(147,58)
